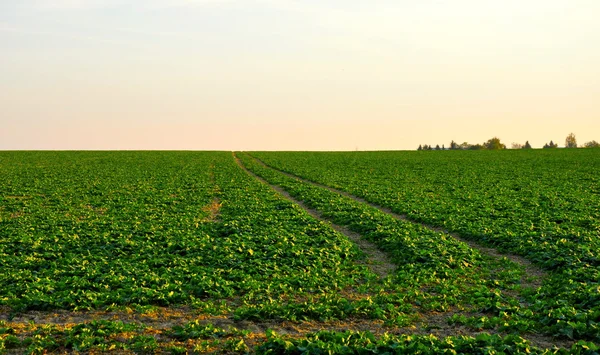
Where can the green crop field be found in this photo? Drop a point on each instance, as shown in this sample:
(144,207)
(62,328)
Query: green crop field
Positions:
(474,252)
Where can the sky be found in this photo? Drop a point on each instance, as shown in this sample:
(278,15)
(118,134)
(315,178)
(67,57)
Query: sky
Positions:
(296,74)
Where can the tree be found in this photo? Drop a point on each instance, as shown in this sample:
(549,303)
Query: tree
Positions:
(420,147)
(516,146)
(570,141)
(592,144)
(494,144)
(437,147)
(550,145)
(454,145)
(527,145)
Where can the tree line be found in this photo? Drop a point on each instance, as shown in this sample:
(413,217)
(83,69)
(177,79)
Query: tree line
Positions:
(496,144)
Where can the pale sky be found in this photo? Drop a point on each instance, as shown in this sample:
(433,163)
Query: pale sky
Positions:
(296,74)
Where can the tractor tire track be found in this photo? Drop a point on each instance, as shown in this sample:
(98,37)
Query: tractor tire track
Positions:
(533,277)
(379,262)
(432,322)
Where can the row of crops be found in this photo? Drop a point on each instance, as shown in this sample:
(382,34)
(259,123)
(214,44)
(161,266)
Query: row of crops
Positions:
(143,232)
(544,206)
(135,338)
(83,231)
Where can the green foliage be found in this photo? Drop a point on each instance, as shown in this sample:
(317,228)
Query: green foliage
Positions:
(197,330)
(591,144)
(494,144)
(571,141)
(118,337)
(366,343)
(137,230)
(434,271)
(550,145)
(515,201)
(491,144)
(103,230)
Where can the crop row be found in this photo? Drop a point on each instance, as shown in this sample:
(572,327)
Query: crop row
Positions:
(106,230)
(541,205)
(137,230)
(435,271)
(197,337)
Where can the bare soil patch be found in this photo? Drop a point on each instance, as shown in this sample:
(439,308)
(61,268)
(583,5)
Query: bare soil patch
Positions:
(212,210)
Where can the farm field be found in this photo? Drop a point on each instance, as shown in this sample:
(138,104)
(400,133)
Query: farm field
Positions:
(541,205)
(389,252)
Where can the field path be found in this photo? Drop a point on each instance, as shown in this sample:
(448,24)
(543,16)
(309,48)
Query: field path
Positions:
(533,275)
(378,261)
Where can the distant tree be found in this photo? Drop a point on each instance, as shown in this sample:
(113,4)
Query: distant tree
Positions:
(571,141)
(550,145)
(475,147)
(592,144)
(527,145)
(494,144)
(454,145)
(420,147)
(437,147)
(465,145)
(516,146)
(443,147)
